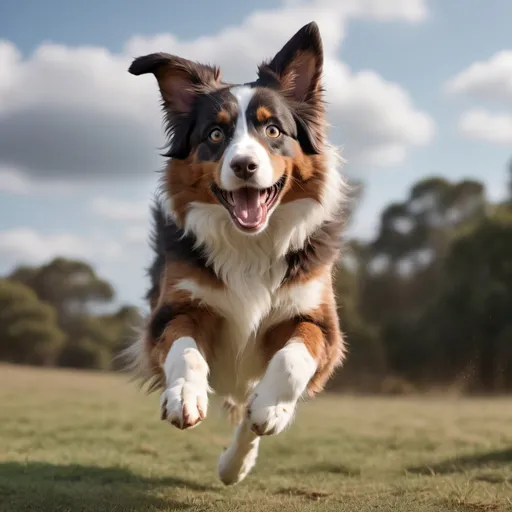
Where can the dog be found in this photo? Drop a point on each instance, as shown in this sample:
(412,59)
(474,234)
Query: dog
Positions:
(247,229)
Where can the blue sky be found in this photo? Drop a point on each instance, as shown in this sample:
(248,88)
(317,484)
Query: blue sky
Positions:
(407,101)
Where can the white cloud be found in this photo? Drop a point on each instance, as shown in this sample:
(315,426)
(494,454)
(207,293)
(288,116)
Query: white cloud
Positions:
(69,113)
(26,245)
(136,234)
(134,213)
(481,124)
(489,80)
(374,118)
(112,260)
(15,182)
(118,209)
(76,113)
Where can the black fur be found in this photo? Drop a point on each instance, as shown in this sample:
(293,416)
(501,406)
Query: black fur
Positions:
(192,81)
(159,321)
(170,243)
(306,102)
(322,247)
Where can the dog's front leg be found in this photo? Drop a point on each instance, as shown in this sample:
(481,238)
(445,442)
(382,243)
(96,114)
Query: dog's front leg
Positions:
(185,400)
(272,405)
(182,348)
(304,362)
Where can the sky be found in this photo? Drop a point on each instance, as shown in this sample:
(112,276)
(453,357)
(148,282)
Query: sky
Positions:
(414,88)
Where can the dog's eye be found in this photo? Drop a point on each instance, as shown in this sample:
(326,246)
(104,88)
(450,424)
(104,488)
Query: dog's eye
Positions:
(272,131)
(216,135)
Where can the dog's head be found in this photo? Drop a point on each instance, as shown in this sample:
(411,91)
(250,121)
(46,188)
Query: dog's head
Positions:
(245,147)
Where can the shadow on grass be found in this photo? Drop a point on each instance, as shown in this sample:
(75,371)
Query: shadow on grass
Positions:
(465,462)
(324,467)
(51,488)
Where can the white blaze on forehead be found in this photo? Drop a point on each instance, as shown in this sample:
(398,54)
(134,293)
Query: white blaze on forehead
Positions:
(244,144)
(243,97)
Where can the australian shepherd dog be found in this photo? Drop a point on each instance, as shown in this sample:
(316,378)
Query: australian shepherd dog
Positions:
(246,231)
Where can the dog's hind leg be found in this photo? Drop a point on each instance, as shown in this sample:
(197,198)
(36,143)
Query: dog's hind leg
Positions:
(240,457)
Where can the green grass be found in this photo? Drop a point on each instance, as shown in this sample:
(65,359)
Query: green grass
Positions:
(76,441)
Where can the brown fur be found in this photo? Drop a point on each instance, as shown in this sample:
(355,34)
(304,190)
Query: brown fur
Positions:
(263,114)
(224,117)
(320,332)
(186,317)
(189,180)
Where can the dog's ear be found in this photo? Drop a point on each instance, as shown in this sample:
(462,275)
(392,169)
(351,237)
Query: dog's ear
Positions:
(180,80)
(297,71)
(298,65)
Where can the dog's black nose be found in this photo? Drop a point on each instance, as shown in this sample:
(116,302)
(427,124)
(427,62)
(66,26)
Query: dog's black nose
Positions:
(244,167)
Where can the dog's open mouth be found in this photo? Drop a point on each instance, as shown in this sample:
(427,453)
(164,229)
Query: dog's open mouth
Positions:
(249,206)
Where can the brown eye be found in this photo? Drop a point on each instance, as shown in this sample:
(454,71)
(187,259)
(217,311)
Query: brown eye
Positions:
(216,135)
(272,131)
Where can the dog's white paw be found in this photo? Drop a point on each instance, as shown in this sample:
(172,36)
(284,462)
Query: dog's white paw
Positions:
(184,404)
(240,457)
(267,416)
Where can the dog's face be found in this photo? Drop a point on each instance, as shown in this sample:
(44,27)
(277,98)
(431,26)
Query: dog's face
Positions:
(246,147)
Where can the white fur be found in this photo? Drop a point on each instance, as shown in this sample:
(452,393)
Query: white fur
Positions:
(243,144)
(238,460)
(273,402)
(185,398)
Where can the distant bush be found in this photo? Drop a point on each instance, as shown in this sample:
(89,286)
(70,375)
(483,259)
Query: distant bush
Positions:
(47,316)
(29,333)
(85,354)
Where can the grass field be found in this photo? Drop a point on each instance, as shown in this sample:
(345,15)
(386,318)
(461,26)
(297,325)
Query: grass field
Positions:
(74,441)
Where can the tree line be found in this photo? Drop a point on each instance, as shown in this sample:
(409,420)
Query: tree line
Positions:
(49,316)
(426,303)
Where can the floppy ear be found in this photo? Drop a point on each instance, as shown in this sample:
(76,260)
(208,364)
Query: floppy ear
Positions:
(180,80)
(297,71)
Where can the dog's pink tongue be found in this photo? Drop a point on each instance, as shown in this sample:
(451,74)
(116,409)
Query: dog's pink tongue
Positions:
(247,206)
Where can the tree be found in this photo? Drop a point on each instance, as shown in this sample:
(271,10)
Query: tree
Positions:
(365,366)
(71,287)
(509,187)
(28,329)
(401,269)
(74,290)
(473,317)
